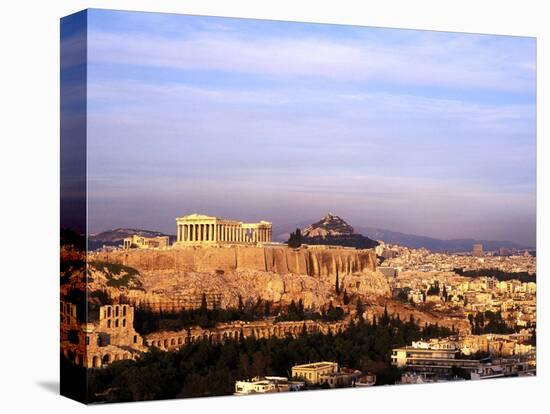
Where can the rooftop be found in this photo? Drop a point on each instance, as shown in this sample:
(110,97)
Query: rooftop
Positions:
(315,365)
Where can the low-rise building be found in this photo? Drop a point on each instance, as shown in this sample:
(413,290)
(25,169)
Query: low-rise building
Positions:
(346,377)
(366,380)
(312,373)
(435,358)
(388,271)
(135,241)
(254,386)
(268,384)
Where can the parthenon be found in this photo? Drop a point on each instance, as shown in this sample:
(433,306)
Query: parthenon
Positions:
(199,229)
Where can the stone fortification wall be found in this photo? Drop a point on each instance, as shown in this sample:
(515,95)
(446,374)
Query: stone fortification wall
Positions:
(171,340)
(281,260)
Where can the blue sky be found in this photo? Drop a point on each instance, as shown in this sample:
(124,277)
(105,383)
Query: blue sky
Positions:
(415,131)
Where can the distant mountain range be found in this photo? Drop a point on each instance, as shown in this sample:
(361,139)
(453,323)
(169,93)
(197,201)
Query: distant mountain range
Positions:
(452,245)
(332,229)
(416,241)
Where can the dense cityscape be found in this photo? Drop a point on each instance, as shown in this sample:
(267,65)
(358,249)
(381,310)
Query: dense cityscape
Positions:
(358,317)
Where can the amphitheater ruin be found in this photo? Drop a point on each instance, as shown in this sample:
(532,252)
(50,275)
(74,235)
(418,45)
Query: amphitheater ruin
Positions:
(113,337)
(95,344)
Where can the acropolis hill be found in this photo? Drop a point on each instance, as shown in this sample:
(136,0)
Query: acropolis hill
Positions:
(219,264)
(228,259)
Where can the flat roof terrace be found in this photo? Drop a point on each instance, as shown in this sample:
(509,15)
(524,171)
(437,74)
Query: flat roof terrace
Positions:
(315,365)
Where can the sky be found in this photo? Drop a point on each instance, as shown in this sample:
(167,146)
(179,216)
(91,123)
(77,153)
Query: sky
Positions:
(422,132)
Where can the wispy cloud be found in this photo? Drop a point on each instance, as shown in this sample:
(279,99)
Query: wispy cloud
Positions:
(414,131)
(452,62)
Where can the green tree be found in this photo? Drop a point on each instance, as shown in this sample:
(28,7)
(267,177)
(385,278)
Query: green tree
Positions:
(204,305)
(359,308)
(346,297)
(295,239)
(385,319)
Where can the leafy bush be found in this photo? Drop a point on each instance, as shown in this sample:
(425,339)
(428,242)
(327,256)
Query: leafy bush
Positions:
(118,275)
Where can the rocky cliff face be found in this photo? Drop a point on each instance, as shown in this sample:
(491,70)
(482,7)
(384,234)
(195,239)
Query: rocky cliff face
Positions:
(169,291)
(333,230)
(329,226)
(176,278)
(281,260)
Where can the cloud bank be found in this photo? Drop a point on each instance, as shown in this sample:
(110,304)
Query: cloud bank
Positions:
(414,131)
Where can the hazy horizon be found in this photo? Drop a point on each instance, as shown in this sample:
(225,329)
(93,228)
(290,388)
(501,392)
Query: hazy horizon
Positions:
(427,133)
